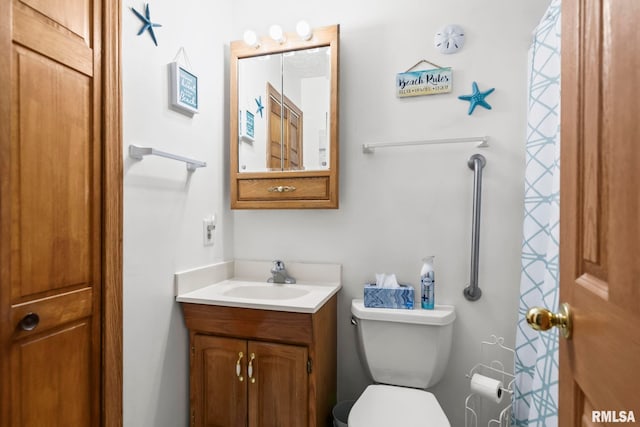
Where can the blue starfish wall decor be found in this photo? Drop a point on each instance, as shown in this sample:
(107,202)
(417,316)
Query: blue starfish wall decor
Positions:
(260,106)
(477,98)
(148,25)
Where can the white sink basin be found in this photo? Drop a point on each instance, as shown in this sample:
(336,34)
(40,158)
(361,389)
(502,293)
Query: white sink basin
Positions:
(271,292)
(302,297)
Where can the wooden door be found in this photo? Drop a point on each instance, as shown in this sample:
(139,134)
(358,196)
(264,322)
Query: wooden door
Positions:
(52,217)
(284,148)
(293,136)
(274,147)
(218,381)
(600,211)
(278,396)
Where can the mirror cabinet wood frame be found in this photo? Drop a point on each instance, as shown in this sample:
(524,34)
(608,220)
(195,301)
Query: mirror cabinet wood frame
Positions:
(296,189)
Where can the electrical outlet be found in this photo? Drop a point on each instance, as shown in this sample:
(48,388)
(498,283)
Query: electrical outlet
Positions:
(208,230)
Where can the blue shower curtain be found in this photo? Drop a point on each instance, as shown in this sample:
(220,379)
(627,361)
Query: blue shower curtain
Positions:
(535,400)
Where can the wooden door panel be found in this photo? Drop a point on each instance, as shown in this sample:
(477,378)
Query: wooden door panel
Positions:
(274,150)
(219,394)
(621,131)
(293,139)
(53,192)
(50,36)
(53,311)
(278,397)
(600,201)
(73,15)
(54,386)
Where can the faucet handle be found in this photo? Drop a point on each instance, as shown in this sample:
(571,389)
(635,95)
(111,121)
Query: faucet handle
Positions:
(278,265)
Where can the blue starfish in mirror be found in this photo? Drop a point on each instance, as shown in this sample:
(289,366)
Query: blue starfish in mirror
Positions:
(148,25)
(260,106)
(477,98)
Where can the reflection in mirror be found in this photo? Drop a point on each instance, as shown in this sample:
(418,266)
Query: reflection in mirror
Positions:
(284,106)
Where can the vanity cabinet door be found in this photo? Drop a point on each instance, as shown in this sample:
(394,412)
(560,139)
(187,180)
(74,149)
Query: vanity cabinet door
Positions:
(278,385)
(234,381)
(218,387)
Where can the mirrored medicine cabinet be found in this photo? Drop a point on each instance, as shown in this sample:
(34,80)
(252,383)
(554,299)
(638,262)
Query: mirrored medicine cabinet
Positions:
(284,122)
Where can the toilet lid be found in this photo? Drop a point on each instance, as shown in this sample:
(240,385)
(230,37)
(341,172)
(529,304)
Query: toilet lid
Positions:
(384,406)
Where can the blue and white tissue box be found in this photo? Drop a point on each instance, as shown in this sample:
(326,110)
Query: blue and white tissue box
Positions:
(378,297)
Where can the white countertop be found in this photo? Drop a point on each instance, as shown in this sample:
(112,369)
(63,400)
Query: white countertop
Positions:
(316,294)
(247,288)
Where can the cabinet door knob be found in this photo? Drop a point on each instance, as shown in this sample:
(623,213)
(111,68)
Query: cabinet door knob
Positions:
(29,322)
(250,368)
(239,367)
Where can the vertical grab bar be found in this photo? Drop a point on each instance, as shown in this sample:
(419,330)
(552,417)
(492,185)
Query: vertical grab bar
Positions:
(475,163)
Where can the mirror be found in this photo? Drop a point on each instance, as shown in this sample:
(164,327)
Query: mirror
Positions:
(284,132)
(290,95)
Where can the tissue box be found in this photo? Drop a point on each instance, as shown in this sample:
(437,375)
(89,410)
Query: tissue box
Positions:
(375,296)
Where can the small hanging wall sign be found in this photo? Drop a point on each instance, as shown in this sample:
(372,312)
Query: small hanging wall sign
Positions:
(424,82)
(184,86)
(246,124)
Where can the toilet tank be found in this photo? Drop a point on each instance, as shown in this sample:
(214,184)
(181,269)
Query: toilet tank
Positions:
(404,347)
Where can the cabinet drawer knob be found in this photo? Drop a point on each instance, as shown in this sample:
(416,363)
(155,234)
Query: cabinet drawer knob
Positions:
(281,189)
(250,368)
(239,367)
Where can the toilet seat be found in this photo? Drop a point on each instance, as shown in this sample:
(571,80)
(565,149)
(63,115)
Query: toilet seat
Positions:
(385,405)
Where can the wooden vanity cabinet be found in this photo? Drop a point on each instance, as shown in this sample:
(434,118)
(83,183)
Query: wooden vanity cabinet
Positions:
(261,368)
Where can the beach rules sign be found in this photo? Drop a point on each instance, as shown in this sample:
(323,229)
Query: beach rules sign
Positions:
(424,82)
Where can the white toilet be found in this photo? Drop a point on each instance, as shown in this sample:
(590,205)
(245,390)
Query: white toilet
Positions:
(406,352)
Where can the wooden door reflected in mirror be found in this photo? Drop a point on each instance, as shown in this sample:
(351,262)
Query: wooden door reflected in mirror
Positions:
(284,148)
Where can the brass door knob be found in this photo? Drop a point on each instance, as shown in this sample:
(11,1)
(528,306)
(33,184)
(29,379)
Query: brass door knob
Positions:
(542,319)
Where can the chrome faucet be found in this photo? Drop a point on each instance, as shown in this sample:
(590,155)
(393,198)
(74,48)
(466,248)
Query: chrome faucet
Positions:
(279,274)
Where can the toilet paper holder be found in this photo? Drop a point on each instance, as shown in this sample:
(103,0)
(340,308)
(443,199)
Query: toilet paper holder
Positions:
(493,383)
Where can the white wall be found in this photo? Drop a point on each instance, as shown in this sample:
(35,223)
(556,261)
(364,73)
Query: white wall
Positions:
(398,205)
(163,204)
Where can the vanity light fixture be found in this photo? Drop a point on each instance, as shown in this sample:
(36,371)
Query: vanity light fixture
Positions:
(304,30)
(251,39)
(276,33)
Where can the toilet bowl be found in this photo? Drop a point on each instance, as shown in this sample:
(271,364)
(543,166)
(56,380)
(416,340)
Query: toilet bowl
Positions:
(405,352)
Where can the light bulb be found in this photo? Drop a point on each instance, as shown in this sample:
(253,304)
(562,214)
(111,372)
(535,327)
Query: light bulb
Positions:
(251,39)
(275,32)
(304,30)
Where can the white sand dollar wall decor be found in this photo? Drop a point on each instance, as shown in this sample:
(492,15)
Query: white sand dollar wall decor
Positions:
(449,39)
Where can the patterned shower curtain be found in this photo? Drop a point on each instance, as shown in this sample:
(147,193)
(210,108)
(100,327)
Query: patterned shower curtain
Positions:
(535,400)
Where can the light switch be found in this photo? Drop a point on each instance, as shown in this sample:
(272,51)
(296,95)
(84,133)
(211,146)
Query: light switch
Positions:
(208,230)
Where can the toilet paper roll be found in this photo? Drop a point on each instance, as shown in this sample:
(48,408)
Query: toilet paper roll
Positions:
(487,387)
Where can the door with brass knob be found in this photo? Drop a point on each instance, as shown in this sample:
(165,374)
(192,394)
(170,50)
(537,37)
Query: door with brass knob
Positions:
(60,341)
(599,215)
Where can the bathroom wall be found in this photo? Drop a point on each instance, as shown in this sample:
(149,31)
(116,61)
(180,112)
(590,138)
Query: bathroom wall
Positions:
(396,205)
(399,205)
(164,204)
